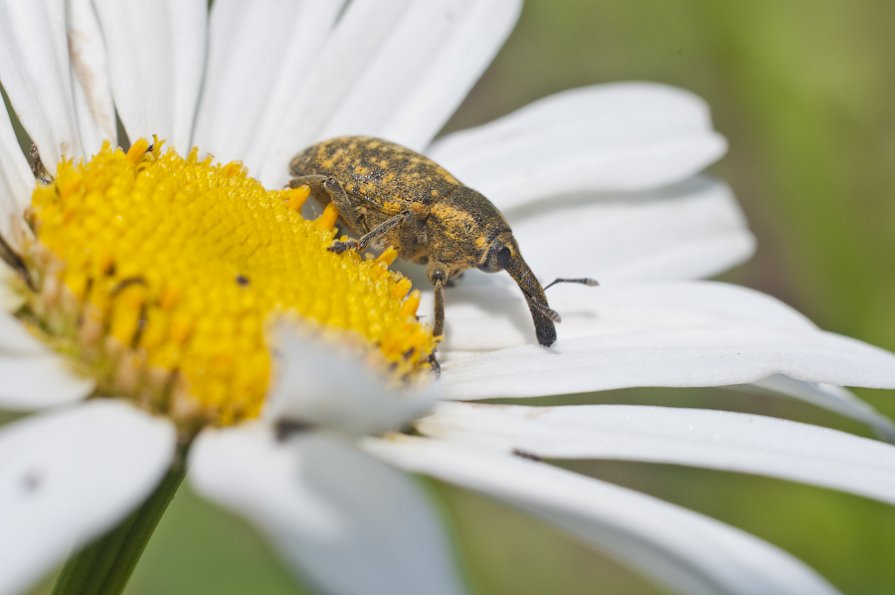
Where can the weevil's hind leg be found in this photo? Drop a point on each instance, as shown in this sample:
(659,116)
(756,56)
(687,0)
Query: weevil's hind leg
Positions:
(438,278)
(373,235)
(433,363)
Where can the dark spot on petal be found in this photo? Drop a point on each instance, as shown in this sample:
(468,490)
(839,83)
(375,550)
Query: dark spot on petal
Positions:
(242,280)
(31,481)
(524,454)
(287,428)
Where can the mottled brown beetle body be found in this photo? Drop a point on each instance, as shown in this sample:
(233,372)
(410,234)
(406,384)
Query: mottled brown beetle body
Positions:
(388,194)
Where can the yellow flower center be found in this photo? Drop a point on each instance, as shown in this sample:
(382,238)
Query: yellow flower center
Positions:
(160,275)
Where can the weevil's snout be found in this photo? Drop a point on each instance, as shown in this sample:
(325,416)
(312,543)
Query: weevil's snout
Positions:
(541,313)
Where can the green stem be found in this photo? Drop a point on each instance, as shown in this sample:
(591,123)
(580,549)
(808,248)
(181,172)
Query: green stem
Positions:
(104,566)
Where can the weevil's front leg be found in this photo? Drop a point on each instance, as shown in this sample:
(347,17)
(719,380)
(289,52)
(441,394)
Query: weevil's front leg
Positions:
(315,181)
(373,235)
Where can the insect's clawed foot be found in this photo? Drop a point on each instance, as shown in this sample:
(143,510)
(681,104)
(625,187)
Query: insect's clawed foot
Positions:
(433,363)
(338,246)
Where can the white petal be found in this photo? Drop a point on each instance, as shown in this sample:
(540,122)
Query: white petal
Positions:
(156,53)
(333,388)
(651,334)
(491,314)
(35,72)
(624,136)
(258,57)
(691,553)
(16,181)
(346,520)
(35,382)
(69,476)
(443,80)
(834,398)
(690,230)
(90,77)
(15,338)
(695,437)
(393,69)
(353,46)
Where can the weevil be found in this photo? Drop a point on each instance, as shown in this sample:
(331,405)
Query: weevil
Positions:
(388,194)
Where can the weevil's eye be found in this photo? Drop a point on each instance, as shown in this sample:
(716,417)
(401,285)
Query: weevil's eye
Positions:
(497,259)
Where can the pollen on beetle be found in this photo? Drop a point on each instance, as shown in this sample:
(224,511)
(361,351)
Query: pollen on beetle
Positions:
(160,274)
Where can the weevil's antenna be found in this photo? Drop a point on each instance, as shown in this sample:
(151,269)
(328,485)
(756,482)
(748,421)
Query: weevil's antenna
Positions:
(545,310)
(550,312)
(581,281)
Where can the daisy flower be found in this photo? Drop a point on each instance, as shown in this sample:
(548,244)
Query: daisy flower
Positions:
(138,284)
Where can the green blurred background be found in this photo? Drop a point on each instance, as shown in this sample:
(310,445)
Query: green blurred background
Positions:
(803,91)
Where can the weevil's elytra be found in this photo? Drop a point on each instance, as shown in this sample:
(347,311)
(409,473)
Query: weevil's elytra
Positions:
(388,194)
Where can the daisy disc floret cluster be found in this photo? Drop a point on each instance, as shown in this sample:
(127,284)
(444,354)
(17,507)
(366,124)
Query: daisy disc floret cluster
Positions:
(160,274)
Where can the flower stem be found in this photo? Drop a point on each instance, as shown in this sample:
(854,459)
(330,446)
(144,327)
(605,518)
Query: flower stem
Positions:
(104,566)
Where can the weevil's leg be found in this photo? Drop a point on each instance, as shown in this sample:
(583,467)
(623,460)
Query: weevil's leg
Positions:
(375,234)
(372,236)
(320,184)
(315,181)
(438,278)
(339,246)
(433,363)
(332,188)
